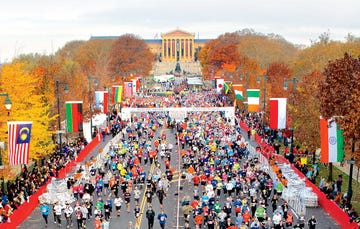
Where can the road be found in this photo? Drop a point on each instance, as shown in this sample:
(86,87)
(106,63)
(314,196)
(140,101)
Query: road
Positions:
(171,202)
(35,220)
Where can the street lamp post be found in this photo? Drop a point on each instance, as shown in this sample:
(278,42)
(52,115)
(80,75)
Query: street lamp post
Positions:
(7,104)
(351,163)
(66,89)
(7,101)
(294,81)
(258,81)
(95,80)
(246,85)
(108,114)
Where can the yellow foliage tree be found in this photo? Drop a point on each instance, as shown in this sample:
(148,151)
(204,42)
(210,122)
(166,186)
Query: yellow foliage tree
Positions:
(28,104)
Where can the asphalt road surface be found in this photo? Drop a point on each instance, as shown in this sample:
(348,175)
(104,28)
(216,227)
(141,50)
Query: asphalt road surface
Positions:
(171,202)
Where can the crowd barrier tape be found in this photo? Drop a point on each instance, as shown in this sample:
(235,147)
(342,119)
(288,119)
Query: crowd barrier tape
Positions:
(25,210)
(329,206)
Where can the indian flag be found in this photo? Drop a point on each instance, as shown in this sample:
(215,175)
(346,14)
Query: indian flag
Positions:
(253,97)
(238,90)
(116,92)
(277,113)
(332,141)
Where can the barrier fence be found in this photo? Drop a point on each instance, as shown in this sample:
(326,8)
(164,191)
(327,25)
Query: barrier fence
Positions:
(329,206)
(25,209)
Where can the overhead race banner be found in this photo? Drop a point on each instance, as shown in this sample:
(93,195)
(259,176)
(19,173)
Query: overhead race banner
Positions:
(178,112)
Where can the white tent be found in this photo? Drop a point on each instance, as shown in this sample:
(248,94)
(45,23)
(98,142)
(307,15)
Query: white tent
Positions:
(196,81)
(98,121)
(164,78)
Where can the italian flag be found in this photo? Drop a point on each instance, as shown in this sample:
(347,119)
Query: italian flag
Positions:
(253,97)
(277,113)
(332,141)
(102,101)
(116,92)
(238,90)
(74,117)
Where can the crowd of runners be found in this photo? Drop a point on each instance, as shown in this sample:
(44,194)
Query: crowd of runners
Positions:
(230,187)
(223,184)
(190,99)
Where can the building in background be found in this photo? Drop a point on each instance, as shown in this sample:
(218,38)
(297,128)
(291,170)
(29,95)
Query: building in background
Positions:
(174,46)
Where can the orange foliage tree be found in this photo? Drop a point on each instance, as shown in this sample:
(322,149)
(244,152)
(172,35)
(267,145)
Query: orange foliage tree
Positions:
(276,73)
(339,99)
(129,55)
(93,57)
(305,111)
(265,49)
(220,56)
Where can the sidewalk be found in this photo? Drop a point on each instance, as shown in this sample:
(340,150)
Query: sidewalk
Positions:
(346,169)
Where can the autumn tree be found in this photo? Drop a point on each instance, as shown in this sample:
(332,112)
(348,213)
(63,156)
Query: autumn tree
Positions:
(220,57)
(306,111)
(265,49)
(277,72)
(130,55)
(28,104)
(317,56)
(69,51)
(93,58)
(339,98)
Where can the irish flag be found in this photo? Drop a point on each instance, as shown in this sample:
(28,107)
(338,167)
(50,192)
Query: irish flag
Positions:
(332,141)
(277,113)
(238,90)
(74,117)
(101,101)
(253,96)
(116,92)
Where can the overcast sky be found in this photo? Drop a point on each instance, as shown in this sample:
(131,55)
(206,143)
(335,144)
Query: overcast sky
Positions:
(44,26)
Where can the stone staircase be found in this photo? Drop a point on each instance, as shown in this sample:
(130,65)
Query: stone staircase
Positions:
(162,68)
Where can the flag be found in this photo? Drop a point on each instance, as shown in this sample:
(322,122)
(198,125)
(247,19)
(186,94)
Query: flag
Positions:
(116,93)
(332,141)
(219,85)
(19,134)
(128,89)
(74,117)
(277,113)
(238,90)
(227,86)
(253,97)
(136,84)
(102,101)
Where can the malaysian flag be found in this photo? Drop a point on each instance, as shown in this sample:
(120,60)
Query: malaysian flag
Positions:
(128,89)
(19,142)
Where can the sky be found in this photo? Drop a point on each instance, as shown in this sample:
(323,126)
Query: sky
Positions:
(44,26)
